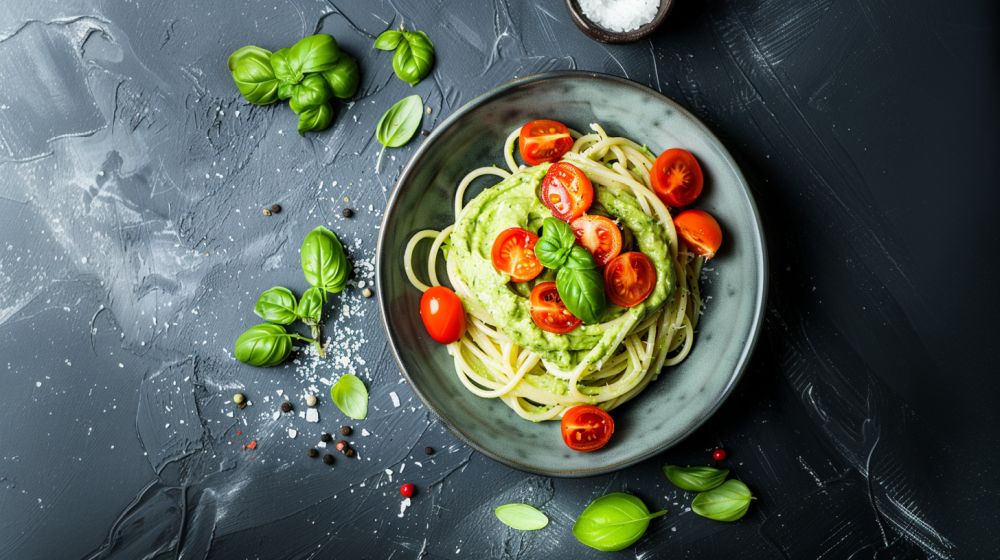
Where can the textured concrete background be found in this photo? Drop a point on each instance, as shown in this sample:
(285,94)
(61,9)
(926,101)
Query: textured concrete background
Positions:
(132,248)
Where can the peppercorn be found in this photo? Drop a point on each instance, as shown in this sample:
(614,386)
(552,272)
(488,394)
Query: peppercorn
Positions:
(428,450)
(328,459)
(341,445)
(239,399)
(276,208)
(311,400)
(313,452)
(347,212)
(266,211)
(367,292)
(349,452)
(286,406)
(325,437)
(719,454)
(407,490)
(346,430)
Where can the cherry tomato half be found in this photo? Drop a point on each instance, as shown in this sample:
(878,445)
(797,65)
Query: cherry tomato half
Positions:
(549,312)
(544,140)
(629,279)
(700,231)
(676,177)
(587,428)
(600,236)
(443,315)
(514,254)
(567,191)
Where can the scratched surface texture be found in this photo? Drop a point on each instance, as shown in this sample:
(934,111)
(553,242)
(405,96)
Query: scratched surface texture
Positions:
(132,248)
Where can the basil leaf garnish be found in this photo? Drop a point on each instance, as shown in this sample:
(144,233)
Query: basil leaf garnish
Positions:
(263,345)
(400,122)
(315,118)
(311,92)
(388,40)
(414,57)
(555,244)
(314,53)
(580,259)
(286,69)
(253,75)
(521,517)
(728,502)
(276,305)
(582,291)
(613,522)
(343,77)
(350,396)
(324,263)
(695,479)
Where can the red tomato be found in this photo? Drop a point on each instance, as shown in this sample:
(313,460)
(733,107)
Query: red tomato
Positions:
(443,315)
(544,140)
(587,428)
(700,231)
(514,254)
(549,312)
(567,191)
(629,279)
(676,177)
(600,236)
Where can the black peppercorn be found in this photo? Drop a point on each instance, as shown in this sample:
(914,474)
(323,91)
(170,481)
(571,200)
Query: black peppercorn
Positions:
(326,438)
(428,451)
(346,430)
(349,452)
(328,459)
(347,212)
(313,452)
(276,208)
(286,406)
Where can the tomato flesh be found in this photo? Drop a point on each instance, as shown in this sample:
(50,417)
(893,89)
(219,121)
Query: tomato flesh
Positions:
(600,236)
(544,140)
(587,428)
(442,313)
(514,254)
(567,191)
(629,279)
(676,177)
(700,231)
(549,312)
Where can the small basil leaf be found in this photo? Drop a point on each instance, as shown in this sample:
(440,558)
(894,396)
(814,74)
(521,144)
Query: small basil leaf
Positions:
(276,305)
(613,522)
(311,92)
(285,91)
(580,259)
(695,479)
(521,517)
(556,242)
(343,77)
(582,291)
(247,52)
(310,308)
(324,263)
(315,118)
(350,396)
(414,57)
(728,502)
(253,75)
(400,122)
(388,40)
(286,69)
(263,345)
(315,53)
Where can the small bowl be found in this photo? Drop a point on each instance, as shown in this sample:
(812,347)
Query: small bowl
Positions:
(603,35)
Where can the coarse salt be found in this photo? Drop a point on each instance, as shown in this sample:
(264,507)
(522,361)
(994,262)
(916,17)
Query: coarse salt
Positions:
(395,399)
(620,15)
(312,415)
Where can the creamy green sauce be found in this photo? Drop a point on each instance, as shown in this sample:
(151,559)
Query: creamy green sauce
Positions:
(514,203)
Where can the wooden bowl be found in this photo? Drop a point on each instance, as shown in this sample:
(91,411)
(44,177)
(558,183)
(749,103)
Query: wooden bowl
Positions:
(603,35)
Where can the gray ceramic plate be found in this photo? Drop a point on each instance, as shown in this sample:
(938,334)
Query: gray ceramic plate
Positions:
(684,396)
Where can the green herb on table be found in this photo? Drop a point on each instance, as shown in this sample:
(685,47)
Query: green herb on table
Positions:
(276,305)
(265,345)
(311,92)
(324,262)
(414,53)
(350,396)
(728,502)
(343,77)
(521,517)
(398,125)
(613,522)
(252,73)
(695,479)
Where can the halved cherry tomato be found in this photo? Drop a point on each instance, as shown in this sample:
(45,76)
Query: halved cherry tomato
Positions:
(443,315)
(629,279)
(676,177)
(567,191)
(600,236)
(700,231)
(544,140)
(587,428)
(548,310)
(514,254)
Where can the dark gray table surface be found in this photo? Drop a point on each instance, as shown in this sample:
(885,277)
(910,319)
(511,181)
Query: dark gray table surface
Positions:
(132,247)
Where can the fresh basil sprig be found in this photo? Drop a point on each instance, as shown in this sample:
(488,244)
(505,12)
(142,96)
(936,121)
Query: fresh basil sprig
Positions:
(414,54)
(728,502)
(343,77)
(286,69)
(581,286)
(350,396)
(324,263)
(265,345)
(312,91)
(695,479)
(521,517)
(400,122)
(252,73)
(276,305)
(613,522)
(555,244)
(310,308)
(314,53)
(315,118)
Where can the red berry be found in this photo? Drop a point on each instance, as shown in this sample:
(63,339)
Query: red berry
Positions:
(719,454)
(406,490)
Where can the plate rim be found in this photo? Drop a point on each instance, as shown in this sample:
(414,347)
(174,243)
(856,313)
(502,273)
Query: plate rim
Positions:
(760,297)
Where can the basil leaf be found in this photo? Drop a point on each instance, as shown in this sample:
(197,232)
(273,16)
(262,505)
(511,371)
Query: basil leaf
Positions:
(400,122)
(315,118)
(521,517)
(343,77)
(315,53)
(613,522)
(263,345)
(311,92)
(414,57)
(695,479)
(580,259)
(253,75)
(350,396)
(276,305)
(582,291)
(286,69)
(285,91)
(555,244)
(310,308)
(324,263)
(728,502)
(388,40)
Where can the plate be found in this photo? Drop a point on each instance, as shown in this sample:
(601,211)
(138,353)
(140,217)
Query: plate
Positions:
(734,283)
